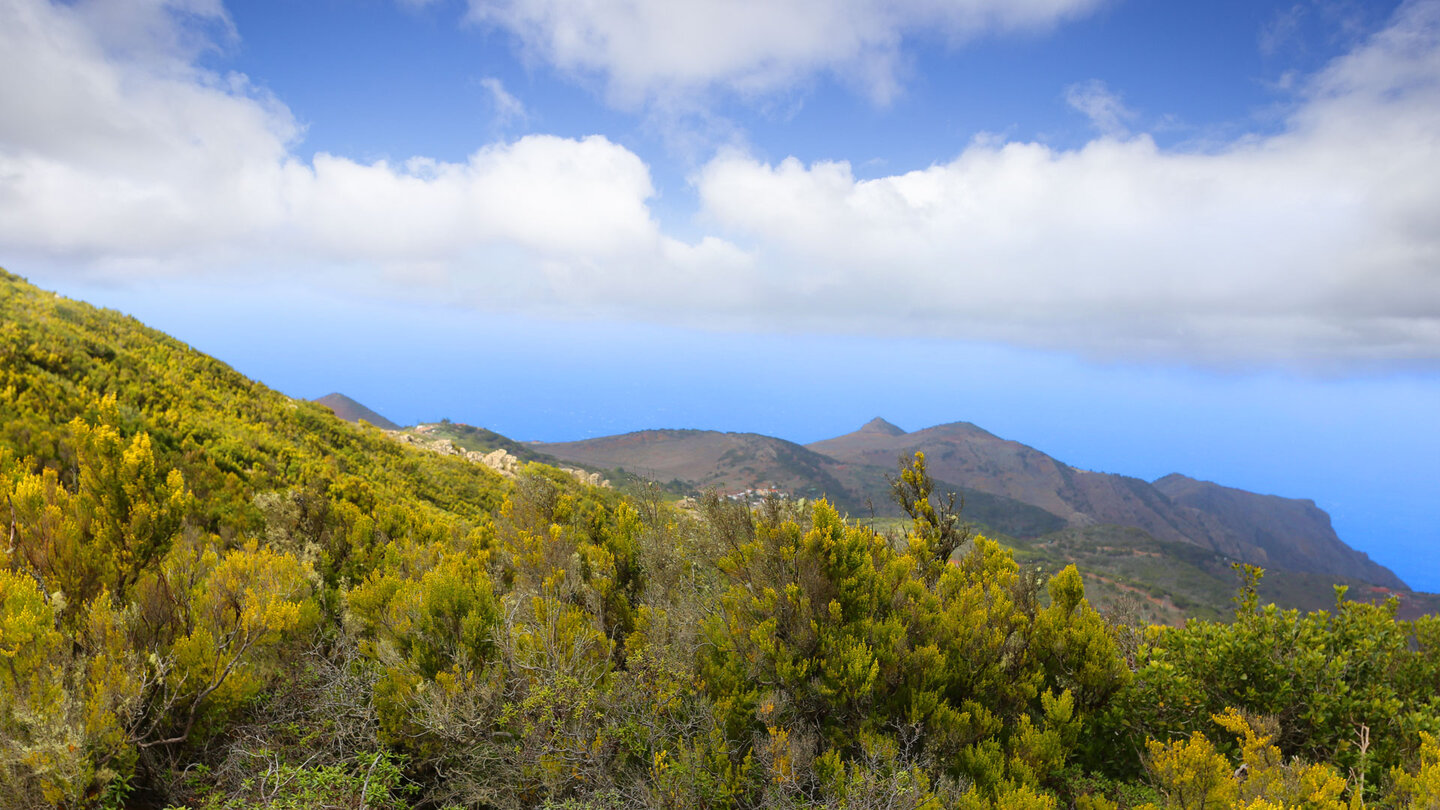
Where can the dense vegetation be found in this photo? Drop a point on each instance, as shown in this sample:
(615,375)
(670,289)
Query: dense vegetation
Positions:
(213,596)
(1131,575)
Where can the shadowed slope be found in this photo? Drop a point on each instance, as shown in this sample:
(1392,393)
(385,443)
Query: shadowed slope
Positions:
(1259,529)
(1295,534)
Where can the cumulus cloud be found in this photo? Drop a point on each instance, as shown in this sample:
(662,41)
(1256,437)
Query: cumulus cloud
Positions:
(1318,244)
(111,141)
(118,152)
(570,198)
(644,49)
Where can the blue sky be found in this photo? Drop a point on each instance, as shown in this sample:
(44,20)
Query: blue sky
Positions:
(1141,236)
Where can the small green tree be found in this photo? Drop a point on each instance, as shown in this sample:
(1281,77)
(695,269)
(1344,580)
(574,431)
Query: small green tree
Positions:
(935,533)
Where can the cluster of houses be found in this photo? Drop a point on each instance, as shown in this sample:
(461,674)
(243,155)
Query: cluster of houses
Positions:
(754,495)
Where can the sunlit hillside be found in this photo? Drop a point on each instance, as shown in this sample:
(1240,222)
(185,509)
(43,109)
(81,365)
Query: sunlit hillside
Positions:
(214,596)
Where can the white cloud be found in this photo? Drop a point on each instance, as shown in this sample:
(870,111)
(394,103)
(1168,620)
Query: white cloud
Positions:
(645,49)
(109,144)
(1318,244)
(556,196)
(1107,113)
(132,156)
(508,108)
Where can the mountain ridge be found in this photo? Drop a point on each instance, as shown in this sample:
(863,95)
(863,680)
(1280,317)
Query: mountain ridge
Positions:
(734,462)
(1266,530)
(1277,524)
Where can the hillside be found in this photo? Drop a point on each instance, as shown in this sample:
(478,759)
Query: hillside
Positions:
(1294,534)
(352,411)
(480,440)
(231,437)
(974,458)
(699,460)
(1163,582)
(1008,488)
(728,462)
(182,545)
(1265,530)
(214,596)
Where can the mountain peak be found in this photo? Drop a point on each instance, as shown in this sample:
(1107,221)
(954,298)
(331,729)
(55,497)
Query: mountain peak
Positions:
(352,411)
(879,425)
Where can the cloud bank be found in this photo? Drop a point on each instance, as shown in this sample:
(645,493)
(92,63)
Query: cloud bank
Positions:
(1316,246)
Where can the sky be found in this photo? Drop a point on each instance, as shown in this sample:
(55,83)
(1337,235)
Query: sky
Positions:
(1139,235)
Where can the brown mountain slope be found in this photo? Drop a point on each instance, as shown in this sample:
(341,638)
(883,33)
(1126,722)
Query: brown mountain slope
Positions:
(1254,530)
(975,458)
(352,411)
(882,427)
(730,462)
(710,459)
(1295,534)
(1166,583)
(969,456)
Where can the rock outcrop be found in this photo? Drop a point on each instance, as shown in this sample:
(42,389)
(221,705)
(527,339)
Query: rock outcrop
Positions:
(501,460)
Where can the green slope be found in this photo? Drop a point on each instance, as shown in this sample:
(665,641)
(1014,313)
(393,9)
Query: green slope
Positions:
(481,440)
(1165,582)
(231,437)
(318,615)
